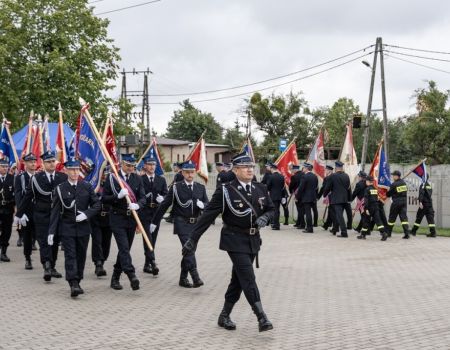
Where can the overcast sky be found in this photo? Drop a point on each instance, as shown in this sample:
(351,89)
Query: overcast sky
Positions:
(198,45)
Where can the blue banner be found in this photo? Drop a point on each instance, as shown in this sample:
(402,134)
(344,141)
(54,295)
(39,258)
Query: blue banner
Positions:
(6,149)
(384,174)
(153,152)
(90,154)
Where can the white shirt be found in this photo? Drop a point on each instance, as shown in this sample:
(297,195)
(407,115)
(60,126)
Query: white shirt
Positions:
(189,183)
(73,183)
(244,185)
(48,176)
(124,175)
(151,177)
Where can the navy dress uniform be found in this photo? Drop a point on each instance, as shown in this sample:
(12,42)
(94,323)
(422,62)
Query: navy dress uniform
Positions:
(40,192)
(330,218)
(184,197)
(101,233)
(338,187)
(398,192)
(225,175)
(425,209)
(371,210)
(122,221)
(6,207)
(21,183)
(293,189)
(275,186)
(307,194)
(177,178)
(74,203)
(358,193)
(155,188)
(245,208)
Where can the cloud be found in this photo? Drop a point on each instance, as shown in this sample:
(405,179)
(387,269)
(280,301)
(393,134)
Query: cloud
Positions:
(197,45)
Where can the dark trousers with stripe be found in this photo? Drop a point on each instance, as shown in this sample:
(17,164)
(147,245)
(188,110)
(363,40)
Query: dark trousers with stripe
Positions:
(427,211)
(399,209)
(242,279)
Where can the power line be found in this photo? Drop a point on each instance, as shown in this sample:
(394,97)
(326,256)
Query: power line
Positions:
(93,2)
(269,87)
(417,56)
(418,64)
(262,81)
(126,8)
(421,50)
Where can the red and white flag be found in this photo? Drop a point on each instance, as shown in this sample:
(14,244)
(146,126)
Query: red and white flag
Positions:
(38,146)
(286,159)
(60,147)
(317,155)
(348,155)
(27,144)
(198,156)
(109,141)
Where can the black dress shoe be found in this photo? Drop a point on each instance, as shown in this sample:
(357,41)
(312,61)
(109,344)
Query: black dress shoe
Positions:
(4,257)
(308,231)
(413,233)
(99,269)
(184,282)
(28,265)
(47,271)
(155,268)
(263,322)
(301,227)
(197,281)
(405,236)
(342,235)
(275,228)
(134,282)
(55,273)
(147,268)
(432,235)
(361,236)
(384,236)
(224,320)
(75,289)
(324,227)
(115,281)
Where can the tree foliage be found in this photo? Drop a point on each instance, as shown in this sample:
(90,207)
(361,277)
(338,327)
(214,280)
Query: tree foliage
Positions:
(52,52)
(188,123)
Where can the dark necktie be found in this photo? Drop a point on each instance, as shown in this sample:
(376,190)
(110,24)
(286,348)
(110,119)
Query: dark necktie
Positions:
(74,187)
(151,182)
(127,177)
(51,180)
(247,189)
(3,179)
(190,187)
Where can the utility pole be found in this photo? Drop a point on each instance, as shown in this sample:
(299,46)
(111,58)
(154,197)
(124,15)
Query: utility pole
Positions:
(145,115)
(378,51)
(383,97)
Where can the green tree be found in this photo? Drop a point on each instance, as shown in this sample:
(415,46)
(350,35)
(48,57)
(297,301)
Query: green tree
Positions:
(234,137)
(53,51)
(188,123)
(427,133)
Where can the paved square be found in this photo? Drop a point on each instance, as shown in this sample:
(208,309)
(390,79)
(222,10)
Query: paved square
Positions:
(319,291)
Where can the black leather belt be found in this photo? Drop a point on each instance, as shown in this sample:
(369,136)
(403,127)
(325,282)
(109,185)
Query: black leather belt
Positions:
(119,211)
(248,231)
(4,203)
(103,213)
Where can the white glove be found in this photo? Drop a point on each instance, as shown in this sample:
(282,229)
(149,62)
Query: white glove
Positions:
(152,228)
(420,205)
(80,217)
(283,201)
(16,221)
(123,192)
(23,220)
(50,239)
(200,204)
(159,199)
(133,206)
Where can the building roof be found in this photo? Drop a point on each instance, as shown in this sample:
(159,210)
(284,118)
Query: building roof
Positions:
(164,141)
(210,145)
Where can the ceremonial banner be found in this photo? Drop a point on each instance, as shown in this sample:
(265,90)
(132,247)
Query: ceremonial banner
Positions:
(109,141)
(89,152)
(7,148)
(38,147)
(348,155)
(381,173)
(317,155)
(60,148)
(247,148)
(286,159)
(152,151)
(421,171)
(198,156)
